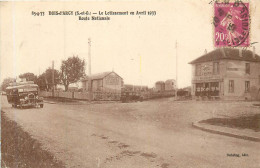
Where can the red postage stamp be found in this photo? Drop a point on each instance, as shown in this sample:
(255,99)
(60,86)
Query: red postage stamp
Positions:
(231,23)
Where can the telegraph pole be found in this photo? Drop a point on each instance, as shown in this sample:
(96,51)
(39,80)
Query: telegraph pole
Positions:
(176,46)
(89,70)
(53,78)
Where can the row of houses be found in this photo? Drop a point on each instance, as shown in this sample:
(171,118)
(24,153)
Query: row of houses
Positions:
(223,73)
(113,83)
(168,85)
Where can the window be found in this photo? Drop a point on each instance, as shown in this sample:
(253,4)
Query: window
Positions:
(247,86)
(247,68)
(231,86)
(198,70)
(215,68)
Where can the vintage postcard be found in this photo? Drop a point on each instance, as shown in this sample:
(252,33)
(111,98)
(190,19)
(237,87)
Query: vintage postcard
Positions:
(130,84)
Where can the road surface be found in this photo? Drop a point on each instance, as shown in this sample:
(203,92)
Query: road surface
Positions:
(151,134)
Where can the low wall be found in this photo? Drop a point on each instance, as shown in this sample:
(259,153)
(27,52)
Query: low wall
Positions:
(83,95)
(161,94)
(106,96)
(65,94)
(45,94)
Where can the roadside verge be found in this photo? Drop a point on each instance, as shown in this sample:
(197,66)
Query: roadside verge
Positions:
(231,132)
(19,149)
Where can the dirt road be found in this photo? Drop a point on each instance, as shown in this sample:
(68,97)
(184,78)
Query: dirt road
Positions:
(148,134)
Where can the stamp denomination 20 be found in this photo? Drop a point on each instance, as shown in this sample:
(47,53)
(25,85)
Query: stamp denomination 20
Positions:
(231,23)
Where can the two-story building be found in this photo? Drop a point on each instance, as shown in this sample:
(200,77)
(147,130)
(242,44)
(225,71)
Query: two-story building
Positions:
(227,73)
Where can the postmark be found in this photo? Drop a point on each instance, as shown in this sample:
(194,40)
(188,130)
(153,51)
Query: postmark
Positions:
(231,24)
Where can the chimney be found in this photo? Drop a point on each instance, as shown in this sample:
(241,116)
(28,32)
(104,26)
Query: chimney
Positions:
(240,52)
(205,52)
(254,52)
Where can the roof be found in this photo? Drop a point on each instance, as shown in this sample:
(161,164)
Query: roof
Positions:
(227,53)
(159,82)
(170,80)
(99,75)
(21,86)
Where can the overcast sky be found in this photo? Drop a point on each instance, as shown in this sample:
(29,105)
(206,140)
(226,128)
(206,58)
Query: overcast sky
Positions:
(140,49)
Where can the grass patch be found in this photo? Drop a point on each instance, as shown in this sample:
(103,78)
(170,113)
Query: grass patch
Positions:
(19,149)
(244,122)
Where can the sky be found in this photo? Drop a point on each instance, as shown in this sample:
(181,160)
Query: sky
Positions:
(141,49)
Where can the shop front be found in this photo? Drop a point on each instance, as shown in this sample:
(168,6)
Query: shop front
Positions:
(207,86)
(207,89)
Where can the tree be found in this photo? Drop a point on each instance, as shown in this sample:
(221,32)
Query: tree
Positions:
(72,70)
(44,81)
(6,83)
(29,77)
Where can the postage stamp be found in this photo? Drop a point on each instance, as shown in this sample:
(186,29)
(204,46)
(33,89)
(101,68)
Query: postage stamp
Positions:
(231,24)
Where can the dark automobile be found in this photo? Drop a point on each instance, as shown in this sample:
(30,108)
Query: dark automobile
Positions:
(24,95)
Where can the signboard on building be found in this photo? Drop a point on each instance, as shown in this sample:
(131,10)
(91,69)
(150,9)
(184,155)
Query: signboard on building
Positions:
(212,78)
(206,70)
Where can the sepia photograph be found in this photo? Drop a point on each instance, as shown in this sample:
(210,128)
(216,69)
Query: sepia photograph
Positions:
(130,84)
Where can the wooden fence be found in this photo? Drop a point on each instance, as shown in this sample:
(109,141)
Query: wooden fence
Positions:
(82,95)
(99,96)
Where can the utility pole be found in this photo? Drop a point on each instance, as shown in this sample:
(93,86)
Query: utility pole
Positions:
(141,72)
(53,78)
(89,70)
(176,46)
(46,82)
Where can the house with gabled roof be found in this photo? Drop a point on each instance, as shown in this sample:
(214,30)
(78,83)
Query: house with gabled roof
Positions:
(103,82)
(226,73)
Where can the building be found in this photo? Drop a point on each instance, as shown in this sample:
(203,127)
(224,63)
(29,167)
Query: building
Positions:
(109,82)
(170,84)
(159,86)
(227,73)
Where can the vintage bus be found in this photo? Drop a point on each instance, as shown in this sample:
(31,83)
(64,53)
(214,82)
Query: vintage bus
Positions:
(24,95)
